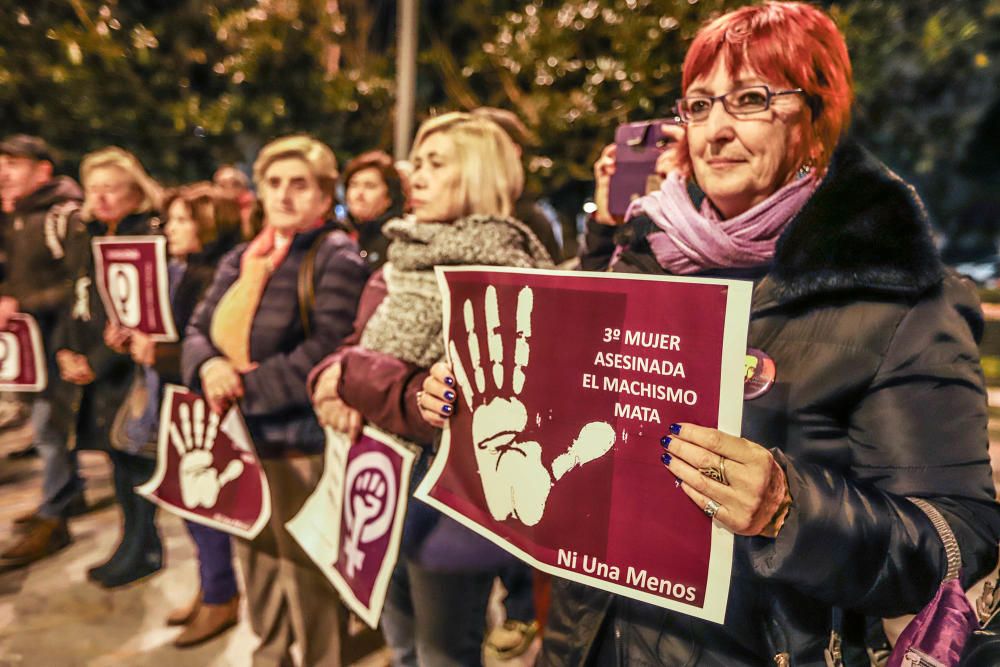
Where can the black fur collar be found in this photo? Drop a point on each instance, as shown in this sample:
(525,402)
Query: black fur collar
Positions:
(864,229)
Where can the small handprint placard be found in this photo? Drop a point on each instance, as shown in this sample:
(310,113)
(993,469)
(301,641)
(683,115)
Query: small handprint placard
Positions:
(352,523)
(206,468)
(132,280)
(566,382)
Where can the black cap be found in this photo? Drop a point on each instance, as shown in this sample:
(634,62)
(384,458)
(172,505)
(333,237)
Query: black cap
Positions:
(25,145)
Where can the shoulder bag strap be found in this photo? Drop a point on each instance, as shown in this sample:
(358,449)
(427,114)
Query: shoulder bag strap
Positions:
(306,284)
(951,550)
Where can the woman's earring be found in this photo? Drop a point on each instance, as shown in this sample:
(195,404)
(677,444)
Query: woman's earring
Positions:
(804,171)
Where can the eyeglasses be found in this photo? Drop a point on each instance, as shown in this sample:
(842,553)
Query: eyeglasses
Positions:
(739,102)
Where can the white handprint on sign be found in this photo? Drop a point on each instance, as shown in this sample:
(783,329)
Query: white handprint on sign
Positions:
(515,481)
(199,480)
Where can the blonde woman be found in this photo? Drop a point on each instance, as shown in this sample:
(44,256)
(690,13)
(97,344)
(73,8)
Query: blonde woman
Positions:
(249,343)
(120,199)
(467,176)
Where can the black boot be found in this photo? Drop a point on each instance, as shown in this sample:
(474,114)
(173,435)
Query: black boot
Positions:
(145,557)
(140,552)
(123,494)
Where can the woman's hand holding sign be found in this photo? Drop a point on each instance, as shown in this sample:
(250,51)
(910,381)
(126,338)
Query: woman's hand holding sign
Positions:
(735,481)
(331,410)
(515,481)
(221,383)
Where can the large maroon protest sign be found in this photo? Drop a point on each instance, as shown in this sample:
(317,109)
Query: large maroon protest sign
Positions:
(567,382)
(22,355)
(352,524)
(133,283)
(206,468)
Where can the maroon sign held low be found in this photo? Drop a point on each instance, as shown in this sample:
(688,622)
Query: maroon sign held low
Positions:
(22,355)
(206,468)
(133,283)
(567,382)
(352,524)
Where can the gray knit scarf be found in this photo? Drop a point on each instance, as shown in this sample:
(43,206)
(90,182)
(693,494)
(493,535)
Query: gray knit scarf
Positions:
(407,324)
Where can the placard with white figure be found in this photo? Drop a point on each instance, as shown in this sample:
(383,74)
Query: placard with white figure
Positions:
(207,470)
(22,355)
(352,524)
(133,282)
(566,383)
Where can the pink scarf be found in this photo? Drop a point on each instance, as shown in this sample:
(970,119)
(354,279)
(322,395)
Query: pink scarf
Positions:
(693,241)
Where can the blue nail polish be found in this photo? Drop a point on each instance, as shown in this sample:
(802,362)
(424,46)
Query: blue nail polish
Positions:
(666,458)
(675,429)
(446,409)
(449,396)
(665,441)
(450,381)
(678,483)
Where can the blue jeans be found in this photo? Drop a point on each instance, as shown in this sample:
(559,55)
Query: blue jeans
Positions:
(61,481)
(436,619)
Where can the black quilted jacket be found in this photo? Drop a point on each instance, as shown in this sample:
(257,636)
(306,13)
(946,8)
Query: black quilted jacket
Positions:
(879,395)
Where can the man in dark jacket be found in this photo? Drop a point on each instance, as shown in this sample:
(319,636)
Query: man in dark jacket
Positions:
(44,229)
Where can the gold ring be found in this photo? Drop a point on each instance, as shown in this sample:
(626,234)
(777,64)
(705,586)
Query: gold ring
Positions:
(420,403)
(718,473)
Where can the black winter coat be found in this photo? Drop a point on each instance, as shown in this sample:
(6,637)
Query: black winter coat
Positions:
(879,395)
(276,404)
(45,236)
(85,413)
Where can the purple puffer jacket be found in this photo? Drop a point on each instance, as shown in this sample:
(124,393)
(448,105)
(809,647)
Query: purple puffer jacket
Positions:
(276,404)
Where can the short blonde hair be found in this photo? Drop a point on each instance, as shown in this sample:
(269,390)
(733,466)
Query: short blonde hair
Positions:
(113,156)
(492,176)
(320,158)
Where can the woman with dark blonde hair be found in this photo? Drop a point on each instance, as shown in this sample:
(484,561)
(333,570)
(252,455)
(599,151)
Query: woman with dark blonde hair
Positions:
(251,343)
(868,437)
(201,225)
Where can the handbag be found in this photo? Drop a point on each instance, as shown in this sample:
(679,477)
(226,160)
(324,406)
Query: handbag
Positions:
(937,635)
(983,647)
(135,426)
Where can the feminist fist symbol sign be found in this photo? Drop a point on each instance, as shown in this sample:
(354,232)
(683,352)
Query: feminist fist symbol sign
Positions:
(372,486)
(194,440)
(515,480)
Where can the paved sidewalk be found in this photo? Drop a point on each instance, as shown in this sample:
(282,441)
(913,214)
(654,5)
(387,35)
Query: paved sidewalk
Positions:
(51,616)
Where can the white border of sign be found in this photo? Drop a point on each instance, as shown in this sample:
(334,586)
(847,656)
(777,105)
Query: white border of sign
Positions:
(337,440)
(162,280)
(730,417)
(231,420)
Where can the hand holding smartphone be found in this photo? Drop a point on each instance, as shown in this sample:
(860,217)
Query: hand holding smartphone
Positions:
(641,151)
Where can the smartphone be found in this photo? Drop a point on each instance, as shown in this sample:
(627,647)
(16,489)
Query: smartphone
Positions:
(638,146)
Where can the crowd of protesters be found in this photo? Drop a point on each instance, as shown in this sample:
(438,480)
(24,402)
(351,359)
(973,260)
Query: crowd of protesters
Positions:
(882,398)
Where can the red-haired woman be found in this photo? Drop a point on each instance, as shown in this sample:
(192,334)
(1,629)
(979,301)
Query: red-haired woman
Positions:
(878,395)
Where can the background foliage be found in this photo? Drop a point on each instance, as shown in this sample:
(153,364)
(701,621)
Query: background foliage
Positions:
(187,84)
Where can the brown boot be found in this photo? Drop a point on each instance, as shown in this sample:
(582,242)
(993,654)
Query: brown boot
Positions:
(44,538)
(184,615)
(23,521)
(210,622)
